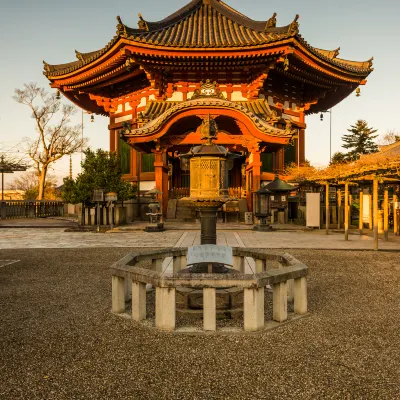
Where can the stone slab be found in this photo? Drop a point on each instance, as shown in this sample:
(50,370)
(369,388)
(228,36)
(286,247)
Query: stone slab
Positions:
(208,253)
(171,210)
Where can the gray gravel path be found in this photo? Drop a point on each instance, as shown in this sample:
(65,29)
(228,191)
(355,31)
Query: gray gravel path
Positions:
(58,339)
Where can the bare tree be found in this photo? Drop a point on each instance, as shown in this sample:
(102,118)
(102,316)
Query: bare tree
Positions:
(52,141)
(28,183)
(389,137)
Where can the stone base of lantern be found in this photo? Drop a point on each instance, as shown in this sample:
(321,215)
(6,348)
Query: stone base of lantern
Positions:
(158,227)
(263,228)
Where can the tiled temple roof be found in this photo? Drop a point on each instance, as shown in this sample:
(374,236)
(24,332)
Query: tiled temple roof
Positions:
(210,24)
(258,107)
(157,113)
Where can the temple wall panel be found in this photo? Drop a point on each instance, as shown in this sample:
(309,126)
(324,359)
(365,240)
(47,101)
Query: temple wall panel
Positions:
(143,102)
(176,96)
(238,96)
(128,107)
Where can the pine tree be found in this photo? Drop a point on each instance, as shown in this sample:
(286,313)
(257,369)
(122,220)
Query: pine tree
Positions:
(100,170)
(360,140)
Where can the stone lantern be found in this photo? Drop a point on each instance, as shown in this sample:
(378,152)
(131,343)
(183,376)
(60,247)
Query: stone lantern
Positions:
(263,209)
(156,223)
(279,198)
(209,167)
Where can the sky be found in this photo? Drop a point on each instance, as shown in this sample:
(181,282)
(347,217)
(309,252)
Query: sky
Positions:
(32,31)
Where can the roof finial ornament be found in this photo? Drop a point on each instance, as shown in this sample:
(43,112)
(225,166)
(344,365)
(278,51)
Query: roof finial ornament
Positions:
(46,66)
(294,26)
(142,23)
(336,52)
(121,28)
(79,56)
(271,23)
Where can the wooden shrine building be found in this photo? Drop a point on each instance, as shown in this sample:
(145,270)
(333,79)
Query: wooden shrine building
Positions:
(159,81)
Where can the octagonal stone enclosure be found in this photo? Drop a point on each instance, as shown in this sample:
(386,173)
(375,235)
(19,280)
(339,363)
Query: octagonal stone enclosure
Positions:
(133,275)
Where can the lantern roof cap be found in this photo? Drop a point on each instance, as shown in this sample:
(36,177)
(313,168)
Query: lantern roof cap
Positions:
(154,191)
(263,190)
(278,185)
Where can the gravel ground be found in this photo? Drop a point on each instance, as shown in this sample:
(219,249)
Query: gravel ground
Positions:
(58,339)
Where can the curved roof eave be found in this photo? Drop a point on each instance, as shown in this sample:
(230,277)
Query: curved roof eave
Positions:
(172,33)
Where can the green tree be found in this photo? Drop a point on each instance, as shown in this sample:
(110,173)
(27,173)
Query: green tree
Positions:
(338,158)
(359,141)
(100,170)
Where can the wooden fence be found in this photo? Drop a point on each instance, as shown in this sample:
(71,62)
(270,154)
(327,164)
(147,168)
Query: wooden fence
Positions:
(31,209)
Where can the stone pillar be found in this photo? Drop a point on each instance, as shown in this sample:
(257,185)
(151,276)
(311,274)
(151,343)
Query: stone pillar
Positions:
(260,266)
(253,309)
(208,217)
(238,263)
(209,309)
(138,301)
(183,262)
(176,264)
(279,302)
(128,289)
(87,216)
(161,176)
(290,289)
(118,294)
(300,296)
(105,214)
(157,264)
(165,308)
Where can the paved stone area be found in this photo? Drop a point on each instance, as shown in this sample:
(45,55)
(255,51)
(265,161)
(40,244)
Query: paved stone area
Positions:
(56,222)
(59,341)
(14,238)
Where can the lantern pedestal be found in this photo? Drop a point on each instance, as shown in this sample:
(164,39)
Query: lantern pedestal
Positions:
(264,225)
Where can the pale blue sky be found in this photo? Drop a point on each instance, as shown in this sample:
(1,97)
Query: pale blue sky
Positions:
(32,31)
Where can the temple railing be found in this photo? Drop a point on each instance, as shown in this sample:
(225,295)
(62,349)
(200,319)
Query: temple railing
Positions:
(31,209)
(131,274)
(179,193)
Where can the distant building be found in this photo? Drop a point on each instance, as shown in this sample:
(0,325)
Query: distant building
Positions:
(13,194)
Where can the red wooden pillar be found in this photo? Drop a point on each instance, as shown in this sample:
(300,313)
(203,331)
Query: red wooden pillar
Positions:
(161,175)
(253,176)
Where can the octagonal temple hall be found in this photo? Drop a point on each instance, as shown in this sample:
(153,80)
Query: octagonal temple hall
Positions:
(158,81)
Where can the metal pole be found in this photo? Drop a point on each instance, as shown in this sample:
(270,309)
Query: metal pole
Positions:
(82,143)
(2,185)
(330,136)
